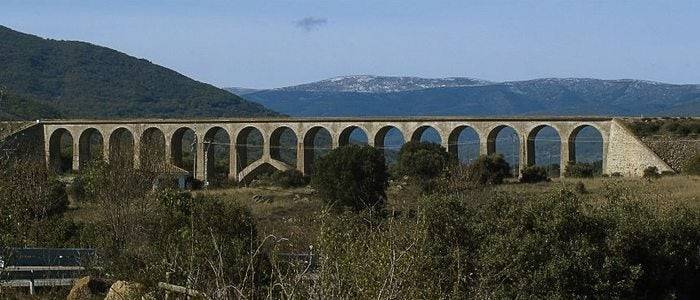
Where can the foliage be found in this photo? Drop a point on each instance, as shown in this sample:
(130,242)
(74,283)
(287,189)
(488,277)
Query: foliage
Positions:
(679,127)
(533,174)
(143,234)
(92,81)
(14,107)
(32,204)
(490,245)
(422,161)
(352,177)
(289,178)
(581,170)
(490,169)
(580,187)
(651,172)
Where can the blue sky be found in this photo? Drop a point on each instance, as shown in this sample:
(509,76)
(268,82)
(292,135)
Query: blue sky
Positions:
(269,43)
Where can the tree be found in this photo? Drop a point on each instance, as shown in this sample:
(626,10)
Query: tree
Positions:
(353,177)
(422,160)
(490,169)
(533,174)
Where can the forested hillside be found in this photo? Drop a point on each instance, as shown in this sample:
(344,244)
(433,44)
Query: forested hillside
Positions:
(14,107)
(82,80)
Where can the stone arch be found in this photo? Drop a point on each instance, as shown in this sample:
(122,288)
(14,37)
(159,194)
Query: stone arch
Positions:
(91,145)
(183,148)
(121,147)
(495,144)
(250,144)
(261,167)
(152,150)
(217,154)
(544,148)
(468,149)
(587,144)
(318,141)
(61,151)
(345,137)
(389,139)
(283,145)
(418,134)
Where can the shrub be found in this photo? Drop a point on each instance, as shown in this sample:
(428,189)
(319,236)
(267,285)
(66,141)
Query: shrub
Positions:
(556,247)
(692,167)
(533,174)
(490,169)
(289,178)
(651,172)
(352,177)
(616,174)
(580,188)
(422,160)
(581,170)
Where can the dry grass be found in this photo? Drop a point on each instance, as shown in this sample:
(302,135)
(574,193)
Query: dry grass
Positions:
(293,214)
(677,189)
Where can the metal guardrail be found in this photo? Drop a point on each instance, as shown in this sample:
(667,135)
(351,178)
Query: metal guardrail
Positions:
(38,267)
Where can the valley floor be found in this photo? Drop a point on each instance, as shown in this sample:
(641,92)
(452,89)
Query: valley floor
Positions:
(292,214)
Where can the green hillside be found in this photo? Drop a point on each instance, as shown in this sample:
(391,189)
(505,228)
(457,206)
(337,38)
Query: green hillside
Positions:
(14,107)
(88,81)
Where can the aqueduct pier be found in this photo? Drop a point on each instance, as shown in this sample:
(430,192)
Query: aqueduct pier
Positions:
(621,151)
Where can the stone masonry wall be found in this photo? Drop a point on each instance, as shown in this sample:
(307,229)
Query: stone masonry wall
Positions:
(628,155)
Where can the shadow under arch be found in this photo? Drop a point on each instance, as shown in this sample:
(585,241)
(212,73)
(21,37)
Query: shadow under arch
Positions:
(586,144)
(91,145)
(217,151)
(121,147)
(544,148)
(464,143)
(183,149)
(318,141)
(353,135)
(283,145)
(505,140)
(389,139)
(426,134)
(61,151)
(152,150)
(249,147)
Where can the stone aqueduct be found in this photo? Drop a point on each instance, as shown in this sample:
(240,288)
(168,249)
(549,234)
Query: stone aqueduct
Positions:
(622,151)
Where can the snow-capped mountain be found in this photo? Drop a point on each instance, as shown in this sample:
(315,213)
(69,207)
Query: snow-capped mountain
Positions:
(401,96)
(382,84)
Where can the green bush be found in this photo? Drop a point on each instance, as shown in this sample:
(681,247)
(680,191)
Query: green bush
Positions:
(352,177)
(581,170)
(422,161)
(502,246)
(492,169)
(651,172)
(32,207)
(533,174)
(289,178)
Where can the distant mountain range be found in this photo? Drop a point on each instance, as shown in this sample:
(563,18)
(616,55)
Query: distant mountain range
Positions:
(366,95)
(44,78)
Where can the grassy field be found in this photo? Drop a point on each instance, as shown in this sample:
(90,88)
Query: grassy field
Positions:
(293,214)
